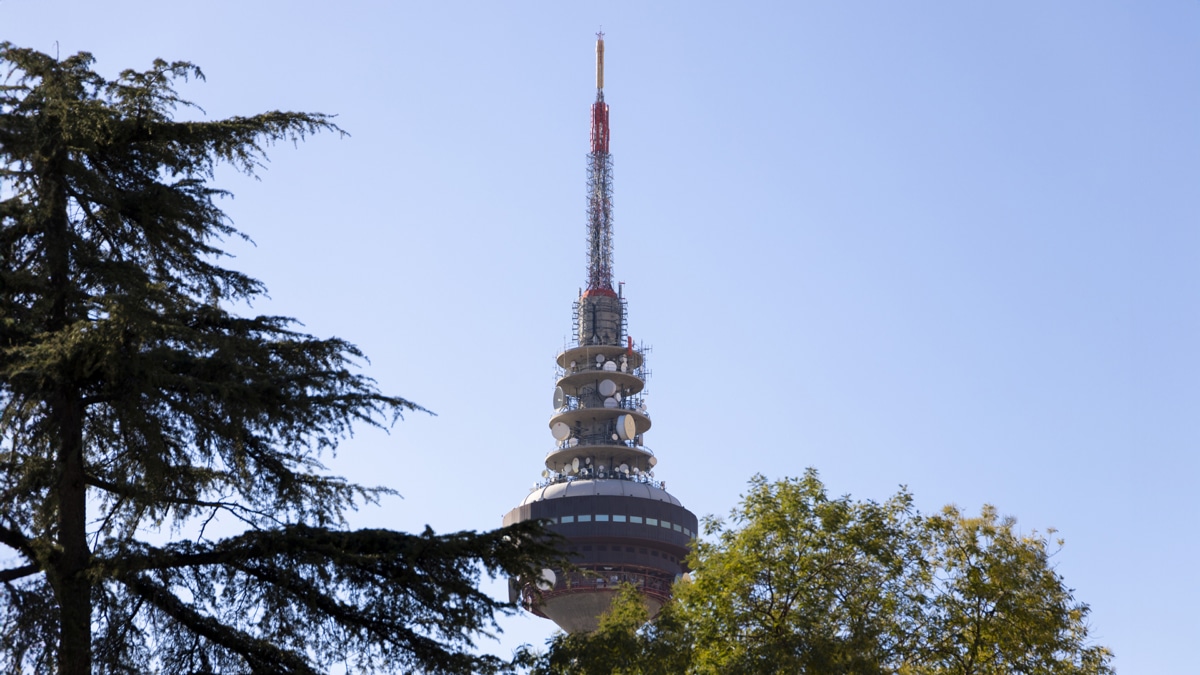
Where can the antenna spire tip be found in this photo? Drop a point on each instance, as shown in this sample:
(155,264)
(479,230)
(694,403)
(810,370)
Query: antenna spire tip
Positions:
(600,59)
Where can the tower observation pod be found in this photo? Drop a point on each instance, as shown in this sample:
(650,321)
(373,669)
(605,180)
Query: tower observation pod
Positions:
(598,489)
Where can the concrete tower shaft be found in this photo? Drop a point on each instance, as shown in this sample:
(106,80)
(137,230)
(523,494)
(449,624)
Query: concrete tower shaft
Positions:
(598,488)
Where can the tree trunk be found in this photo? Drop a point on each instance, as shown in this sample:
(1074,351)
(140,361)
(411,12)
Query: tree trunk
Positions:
(74,588)
(71,585)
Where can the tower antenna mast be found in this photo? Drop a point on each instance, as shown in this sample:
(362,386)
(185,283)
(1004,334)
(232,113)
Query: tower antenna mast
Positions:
(599,185)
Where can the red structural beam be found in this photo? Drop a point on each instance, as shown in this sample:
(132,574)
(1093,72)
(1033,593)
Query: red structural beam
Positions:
(600,127)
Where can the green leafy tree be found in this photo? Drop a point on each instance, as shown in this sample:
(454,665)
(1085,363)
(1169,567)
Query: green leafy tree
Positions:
(133,400)
(799,582)
(997,606)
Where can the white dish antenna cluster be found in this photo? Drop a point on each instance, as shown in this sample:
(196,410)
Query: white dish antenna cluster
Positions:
(608,389)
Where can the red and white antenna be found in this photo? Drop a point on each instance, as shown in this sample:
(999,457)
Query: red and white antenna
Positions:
(600,255)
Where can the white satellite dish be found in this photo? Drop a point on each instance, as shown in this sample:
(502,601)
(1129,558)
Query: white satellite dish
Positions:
(599,359)
(653,461)
(545,473)
(547,581)
(588,460)
(573,442)
(624,468)
(560,398)
(560,431)
(610,366)
(575,464)
(616,437)
(610,402)
(607,387)
(624,366)
(626,427)
(617,396)
(572,364)
(624,358)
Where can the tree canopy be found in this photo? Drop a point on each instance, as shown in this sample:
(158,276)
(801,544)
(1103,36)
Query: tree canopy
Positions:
(134,401)
(799,582)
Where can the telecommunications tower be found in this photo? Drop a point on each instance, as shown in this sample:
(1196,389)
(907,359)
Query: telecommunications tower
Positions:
(598,489)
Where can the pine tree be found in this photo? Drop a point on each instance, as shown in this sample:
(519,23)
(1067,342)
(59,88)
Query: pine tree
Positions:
(133,399)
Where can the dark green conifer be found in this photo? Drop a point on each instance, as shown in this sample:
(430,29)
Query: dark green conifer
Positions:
(132,398)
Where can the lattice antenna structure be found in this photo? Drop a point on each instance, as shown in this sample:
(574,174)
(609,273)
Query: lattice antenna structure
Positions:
(599,185)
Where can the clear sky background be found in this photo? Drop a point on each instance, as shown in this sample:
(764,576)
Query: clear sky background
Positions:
(946,245)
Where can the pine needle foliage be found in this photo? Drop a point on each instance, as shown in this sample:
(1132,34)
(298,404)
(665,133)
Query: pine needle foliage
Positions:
(133,401)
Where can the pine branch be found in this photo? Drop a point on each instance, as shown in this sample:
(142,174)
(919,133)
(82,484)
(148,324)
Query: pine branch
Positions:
(237,509)
(14,573)
(518,549)
(261,655)
(16,540)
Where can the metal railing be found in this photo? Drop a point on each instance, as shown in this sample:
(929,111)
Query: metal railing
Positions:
(652,583)
(630,403)
(597,440)
(588,473)
(592,367)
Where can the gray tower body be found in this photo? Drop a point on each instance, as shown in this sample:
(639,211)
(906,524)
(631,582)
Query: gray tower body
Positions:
(599,491)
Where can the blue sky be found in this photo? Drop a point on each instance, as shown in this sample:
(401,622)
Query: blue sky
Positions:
(947,245)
